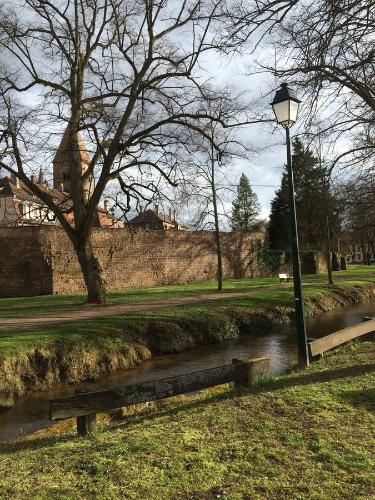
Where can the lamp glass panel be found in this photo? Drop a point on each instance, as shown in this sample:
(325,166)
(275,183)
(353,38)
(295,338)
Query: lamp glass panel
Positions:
(293,111)
(281,110)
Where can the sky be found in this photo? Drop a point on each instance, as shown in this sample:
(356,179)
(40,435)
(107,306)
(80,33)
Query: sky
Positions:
(265,165)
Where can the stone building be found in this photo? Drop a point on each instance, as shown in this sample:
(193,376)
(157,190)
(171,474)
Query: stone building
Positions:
(154,219)
(359,252)
(19,206)
(61,166)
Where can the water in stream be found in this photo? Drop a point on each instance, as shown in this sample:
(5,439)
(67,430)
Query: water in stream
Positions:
(30,413)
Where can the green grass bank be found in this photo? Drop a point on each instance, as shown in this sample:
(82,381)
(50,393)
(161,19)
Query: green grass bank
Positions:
(304,435)
(74,351)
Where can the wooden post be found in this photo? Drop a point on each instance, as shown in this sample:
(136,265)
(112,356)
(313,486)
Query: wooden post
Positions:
(371,336)
(317,357)
(85,423)
(248,371)
(242,380)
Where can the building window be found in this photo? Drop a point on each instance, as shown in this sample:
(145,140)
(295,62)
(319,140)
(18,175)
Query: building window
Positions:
(51,216)
(26,210)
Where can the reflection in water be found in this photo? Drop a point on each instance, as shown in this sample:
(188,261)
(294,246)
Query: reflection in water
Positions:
(31,412)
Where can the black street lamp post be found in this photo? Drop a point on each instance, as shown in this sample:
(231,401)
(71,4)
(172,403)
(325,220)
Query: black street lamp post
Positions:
(285,106)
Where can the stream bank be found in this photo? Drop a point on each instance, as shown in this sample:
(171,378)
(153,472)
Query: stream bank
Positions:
(31,412)
(305,434)
(67,362)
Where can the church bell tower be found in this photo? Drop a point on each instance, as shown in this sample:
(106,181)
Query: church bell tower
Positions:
(61,165)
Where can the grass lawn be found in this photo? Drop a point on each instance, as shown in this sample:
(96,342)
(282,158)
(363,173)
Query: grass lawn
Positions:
(50,304)
(91,330)
(305,435)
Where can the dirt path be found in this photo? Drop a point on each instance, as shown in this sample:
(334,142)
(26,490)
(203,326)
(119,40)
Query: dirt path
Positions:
(89,312)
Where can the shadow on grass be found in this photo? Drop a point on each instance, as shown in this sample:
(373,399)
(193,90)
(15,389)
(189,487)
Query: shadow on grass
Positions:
(306,378)
(364,398)
(33,444)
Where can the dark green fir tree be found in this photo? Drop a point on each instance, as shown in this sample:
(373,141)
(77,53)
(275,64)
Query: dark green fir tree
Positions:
(245,208)
(279,223)
(314,201)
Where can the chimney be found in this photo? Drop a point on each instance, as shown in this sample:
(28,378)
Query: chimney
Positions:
(157,209)
(61,187)
(106,205)
(15,181)
(41,177)
(174,215)
(32,178)
(170,214)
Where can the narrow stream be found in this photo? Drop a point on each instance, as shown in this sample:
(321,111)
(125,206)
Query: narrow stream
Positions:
(30,413)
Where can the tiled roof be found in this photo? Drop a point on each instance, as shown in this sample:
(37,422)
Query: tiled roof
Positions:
(24,193)
(150,217)
(108,214)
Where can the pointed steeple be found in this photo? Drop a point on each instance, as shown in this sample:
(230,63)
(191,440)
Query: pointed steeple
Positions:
(61,162)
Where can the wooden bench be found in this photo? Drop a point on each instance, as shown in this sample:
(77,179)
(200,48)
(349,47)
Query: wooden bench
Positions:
(284,277)
(84,405)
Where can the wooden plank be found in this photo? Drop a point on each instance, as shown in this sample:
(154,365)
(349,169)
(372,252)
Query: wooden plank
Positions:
(319,346)
(101,401)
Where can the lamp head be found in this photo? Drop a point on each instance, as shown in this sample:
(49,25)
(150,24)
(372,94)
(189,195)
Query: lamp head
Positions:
(285,106)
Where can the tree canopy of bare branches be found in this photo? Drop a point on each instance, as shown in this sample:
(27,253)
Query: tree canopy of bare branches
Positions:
(126,76)
(327,48)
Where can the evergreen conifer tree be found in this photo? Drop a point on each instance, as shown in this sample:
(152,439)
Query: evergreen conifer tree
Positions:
(245,208)
(279,223)
(314,201)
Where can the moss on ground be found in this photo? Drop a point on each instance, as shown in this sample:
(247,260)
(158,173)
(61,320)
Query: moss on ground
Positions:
(304,435)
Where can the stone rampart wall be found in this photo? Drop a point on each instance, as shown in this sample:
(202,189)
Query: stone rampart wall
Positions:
(24,269)
(36,261)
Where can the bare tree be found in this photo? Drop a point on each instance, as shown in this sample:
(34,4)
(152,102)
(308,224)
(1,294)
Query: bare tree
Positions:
(358,201)
(206,186)
(123,75)
(326,48)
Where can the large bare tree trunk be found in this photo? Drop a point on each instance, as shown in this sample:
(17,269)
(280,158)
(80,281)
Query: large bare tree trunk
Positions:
(91,270)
